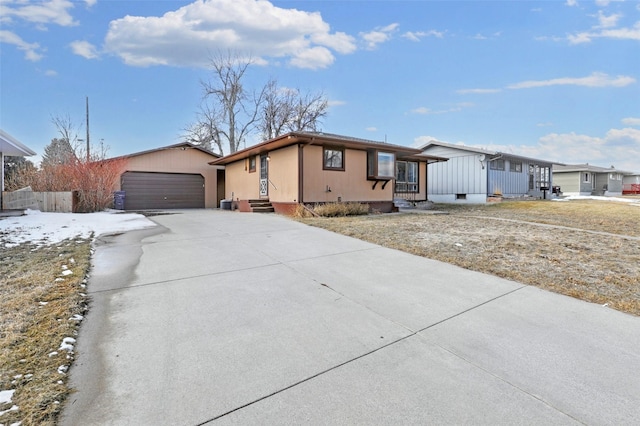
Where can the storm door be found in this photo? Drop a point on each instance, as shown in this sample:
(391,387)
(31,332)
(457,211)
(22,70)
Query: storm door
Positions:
(264,175)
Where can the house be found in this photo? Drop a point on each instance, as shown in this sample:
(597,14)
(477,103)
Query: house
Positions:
(474,175)
(585,179)
(631,184)
(315,167)
(171,177)
(10,147)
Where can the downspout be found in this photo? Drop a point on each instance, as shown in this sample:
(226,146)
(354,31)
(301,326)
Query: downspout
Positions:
(300,174)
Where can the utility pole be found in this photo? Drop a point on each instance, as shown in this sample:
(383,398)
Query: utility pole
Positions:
(88,154)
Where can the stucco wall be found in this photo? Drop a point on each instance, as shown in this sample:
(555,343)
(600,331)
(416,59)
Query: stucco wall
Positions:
(348,185)
(179,160)
(283,175)
(240,184)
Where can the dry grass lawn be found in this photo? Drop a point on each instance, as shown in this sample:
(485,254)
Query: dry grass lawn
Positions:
(38,302)
(587,249)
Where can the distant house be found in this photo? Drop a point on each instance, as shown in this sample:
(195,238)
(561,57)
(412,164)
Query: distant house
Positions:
(313,167)
(585,179)
(474,175)
(10,147)
(171,177)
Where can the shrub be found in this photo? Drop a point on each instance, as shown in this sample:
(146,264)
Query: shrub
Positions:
(341,209)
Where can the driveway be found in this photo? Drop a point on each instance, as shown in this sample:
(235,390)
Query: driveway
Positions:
(219,317)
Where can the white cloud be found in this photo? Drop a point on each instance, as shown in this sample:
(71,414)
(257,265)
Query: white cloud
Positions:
(608,21)
(379,35)
(84,49)
(44,12)
(418,35)
(188,35)
(371,129)
(90,3)
(596,79)
(571,3)
(51,73)
(477,91)
(336,103)
(631,121)
(31,50)
(428,111)
(610,33)
(603,3)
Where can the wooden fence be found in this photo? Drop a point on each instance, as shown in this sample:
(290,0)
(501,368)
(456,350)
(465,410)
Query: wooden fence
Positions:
(59,202)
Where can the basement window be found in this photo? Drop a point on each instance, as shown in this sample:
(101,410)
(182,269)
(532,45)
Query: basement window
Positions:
(461,196)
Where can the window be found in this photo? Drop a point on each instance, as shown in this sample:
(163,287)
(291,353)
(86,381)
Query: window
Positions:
(406,176)
(586,177)
(333,159)
(497,164)
(515,166)
(380,165)
(252,164)
(461,196)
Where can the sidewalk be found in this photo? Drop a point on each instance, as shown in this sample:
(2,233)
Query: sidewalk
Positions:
(233,318)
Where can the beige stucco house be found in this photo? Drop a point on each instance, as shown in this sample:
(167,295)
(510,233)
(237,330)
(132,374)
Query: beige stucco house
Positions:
(171,177)
(313,167)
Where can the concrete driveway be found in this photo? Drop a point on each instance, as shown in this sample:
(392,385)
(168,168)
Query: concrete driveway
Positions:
(219,317)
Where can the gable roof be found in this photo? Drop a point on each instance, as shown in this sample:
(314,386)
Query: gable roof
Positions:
(179,146)
(494,155)
(320,138)
(10,146)
(566,168)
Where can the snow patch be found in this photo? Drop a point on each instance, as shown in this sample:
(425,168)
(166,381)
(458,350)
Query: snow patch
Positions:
(598,198)
(6,396)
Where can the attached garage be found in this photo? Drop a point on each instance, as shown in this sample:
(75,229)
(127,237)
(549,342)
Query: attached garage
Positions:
(145,190)
(172,177)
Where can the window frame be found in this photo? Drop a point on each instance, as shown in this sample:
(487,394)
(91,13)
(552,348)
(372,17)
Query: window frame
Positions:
(336,149)
(497,164)
(252,164)
(515,166)
(373,165)
(406,186)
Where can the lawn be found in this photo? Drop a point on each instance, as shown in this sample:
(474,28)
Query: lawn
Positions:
(41,306)
(586,249)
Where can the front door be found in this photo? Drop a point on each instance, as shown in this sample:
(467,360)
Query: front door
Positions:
(264,175)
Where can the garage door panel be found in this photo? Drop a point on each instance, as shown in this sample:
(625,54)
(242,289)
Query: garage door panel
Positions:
(147,190)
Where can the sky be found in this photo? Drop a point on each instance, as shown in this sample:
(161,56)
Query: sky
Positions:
(553,80)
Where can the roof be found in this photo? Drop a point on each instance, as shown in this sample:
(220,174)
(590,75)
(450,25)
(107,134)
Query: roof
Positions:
(320,138)
(179,146)
(10,146)
(567,168)
(493,154)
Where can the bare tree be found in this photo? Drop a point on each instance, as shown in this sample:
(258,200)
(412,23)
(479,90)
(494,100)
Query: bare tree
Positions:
(230,113)
(286,110)
(231,110)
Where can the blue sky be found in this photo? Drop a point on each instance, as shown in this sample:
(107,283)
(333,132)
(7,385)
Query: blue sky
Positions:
(556,80)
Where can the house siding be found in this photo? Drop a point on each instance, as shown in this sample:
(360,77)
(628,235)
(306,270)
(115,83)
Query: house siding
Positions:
(348,185)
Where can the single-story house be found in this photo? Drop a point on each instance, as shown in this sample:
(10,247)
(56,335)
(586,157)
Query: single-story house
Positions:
(316,167)
(585,179)
(172,177)
(631,184)
(10,147)
(475,175)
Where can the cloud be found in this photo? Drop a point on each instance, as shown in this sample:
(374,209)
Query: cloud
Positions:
(45,12)
(428,111)
(571,3)
(477,91)
(90,3)
(188,35)
(379,35)
(371,129)
(418,35)
(336,103)
(84,49)
(608,21)
(631,121)
(596,79)
(51,73)
(31,50)
(610,33)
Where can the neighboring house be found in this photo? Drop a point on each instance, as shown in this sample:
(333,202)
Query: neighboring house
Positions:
(585,179)
(171,177)
(10,147)
(631,184)
(313,167)
(472,175)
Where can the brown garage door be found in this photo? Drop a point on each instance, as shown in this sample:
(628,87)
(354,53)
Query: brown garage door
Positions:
(148,190)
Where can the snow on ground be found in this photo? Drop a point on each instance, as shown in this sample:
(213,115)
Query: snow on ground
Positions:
(599,198)
(51,228)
